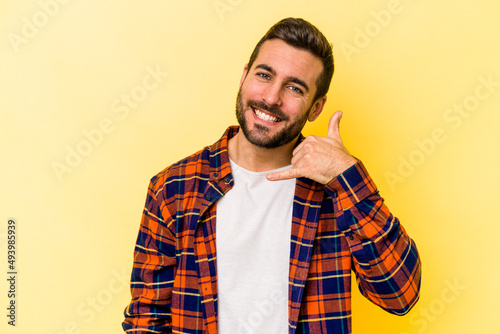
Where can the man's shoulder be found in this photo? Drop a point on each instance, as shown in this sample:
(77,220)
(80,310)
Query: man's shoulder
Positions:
(188,167)
(193,171)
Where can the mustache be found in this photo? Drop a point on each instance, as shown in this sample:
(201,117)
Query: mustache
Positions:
(275,110)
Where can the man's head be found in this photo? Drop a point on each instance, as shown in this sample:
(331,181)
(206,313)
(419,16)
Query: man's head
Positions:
(302,35)
(284,84)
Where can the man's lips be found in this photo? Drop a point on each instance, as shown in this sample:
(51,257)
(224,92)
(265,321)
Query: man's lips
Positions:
(265,116)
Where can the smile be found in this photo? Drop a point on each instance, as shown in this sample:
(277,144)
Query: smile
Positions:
(265,117)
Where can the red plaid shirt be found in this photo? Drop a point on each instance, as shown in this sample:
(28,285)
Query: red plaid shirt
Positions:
(336,228)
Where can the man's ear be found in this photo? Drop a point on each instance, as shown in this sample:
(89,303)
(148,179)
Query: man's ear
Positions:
(243,76)
(317,108)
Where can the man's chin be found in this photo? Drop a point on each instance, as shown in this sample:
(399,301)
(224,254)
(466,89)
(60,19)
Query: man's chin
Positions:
(265,140)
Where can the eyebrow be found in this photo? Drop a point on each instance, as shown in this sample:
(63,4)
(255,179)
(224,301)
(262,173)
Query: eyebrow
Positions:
(290,78)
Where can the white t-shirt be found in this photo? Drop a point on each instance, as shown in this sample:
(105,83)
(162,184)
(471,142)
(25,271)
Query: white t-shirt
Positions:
(253,231)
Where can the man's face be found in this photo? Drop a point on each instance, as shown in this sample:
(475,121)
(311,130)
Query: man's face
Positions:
(275,98)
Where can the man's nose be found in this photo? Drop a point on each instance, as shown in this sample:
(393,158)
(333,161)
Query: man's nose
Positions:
(272,94)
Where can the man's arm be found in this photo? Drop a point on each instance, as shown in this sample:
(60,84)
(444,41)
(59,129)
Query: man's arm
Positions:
(386,261)
(385,258)
(152,273)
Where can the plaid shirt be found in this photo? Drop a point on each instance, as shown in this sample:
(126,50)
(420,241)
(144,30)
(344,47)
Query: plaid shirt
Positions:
(336,228)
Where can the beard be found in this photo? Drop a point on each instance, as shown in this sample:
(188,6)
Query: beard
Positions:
(259,135)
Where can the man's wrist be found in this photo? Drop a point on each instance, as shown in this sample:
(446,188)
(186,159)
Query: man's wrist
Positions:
(351,186)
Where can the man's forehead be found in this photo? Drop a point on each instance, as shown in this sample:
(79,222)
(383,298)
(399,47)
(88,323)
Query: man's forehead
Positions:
(278,46)
(288,60)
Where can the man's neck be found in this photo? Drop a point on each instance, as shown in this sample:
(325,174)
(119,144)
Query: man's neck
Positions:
(258,159)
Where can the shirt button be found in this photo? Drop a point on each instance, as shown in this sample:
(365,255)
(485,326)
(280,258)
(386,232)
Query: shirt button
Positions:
(208,197)
(216,174)
(334,194)
(228,179)
(351,237)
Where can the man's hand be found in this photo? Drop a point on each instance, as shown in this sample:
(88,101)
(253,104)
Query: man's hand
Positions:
(319,158)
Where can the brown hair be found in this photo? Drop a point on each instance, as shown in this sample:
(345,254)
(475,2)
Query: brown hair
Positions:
(302,35)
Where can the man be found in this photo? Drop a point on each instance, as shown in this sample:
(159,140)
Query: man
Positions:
(259,232)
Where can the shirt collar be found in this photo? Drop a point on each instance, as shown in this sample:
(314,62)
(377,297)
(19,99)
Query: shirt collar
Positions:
(220,168)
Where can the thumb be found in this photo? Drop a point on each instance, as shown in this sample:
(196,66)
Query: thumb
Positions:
(333,125)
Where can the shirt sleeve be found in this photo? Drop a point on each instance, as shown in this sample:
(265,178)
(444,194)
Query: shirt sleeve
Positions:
(385,258)
(152,273)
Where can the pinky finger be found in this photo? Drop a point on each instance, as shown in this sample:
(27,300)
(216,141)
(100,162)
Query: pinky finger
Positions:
(285,175)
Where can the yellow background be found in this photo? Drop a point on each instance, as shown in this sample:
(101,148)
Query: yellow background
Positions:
(67,67)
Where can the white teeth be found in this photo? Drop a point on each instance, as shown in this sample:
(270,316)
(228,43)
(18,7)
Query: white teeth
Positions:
(265,117)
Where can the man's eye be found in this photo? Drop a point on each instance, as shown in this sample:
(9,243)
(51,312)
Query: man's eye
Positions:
(296,89)
(263,75)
